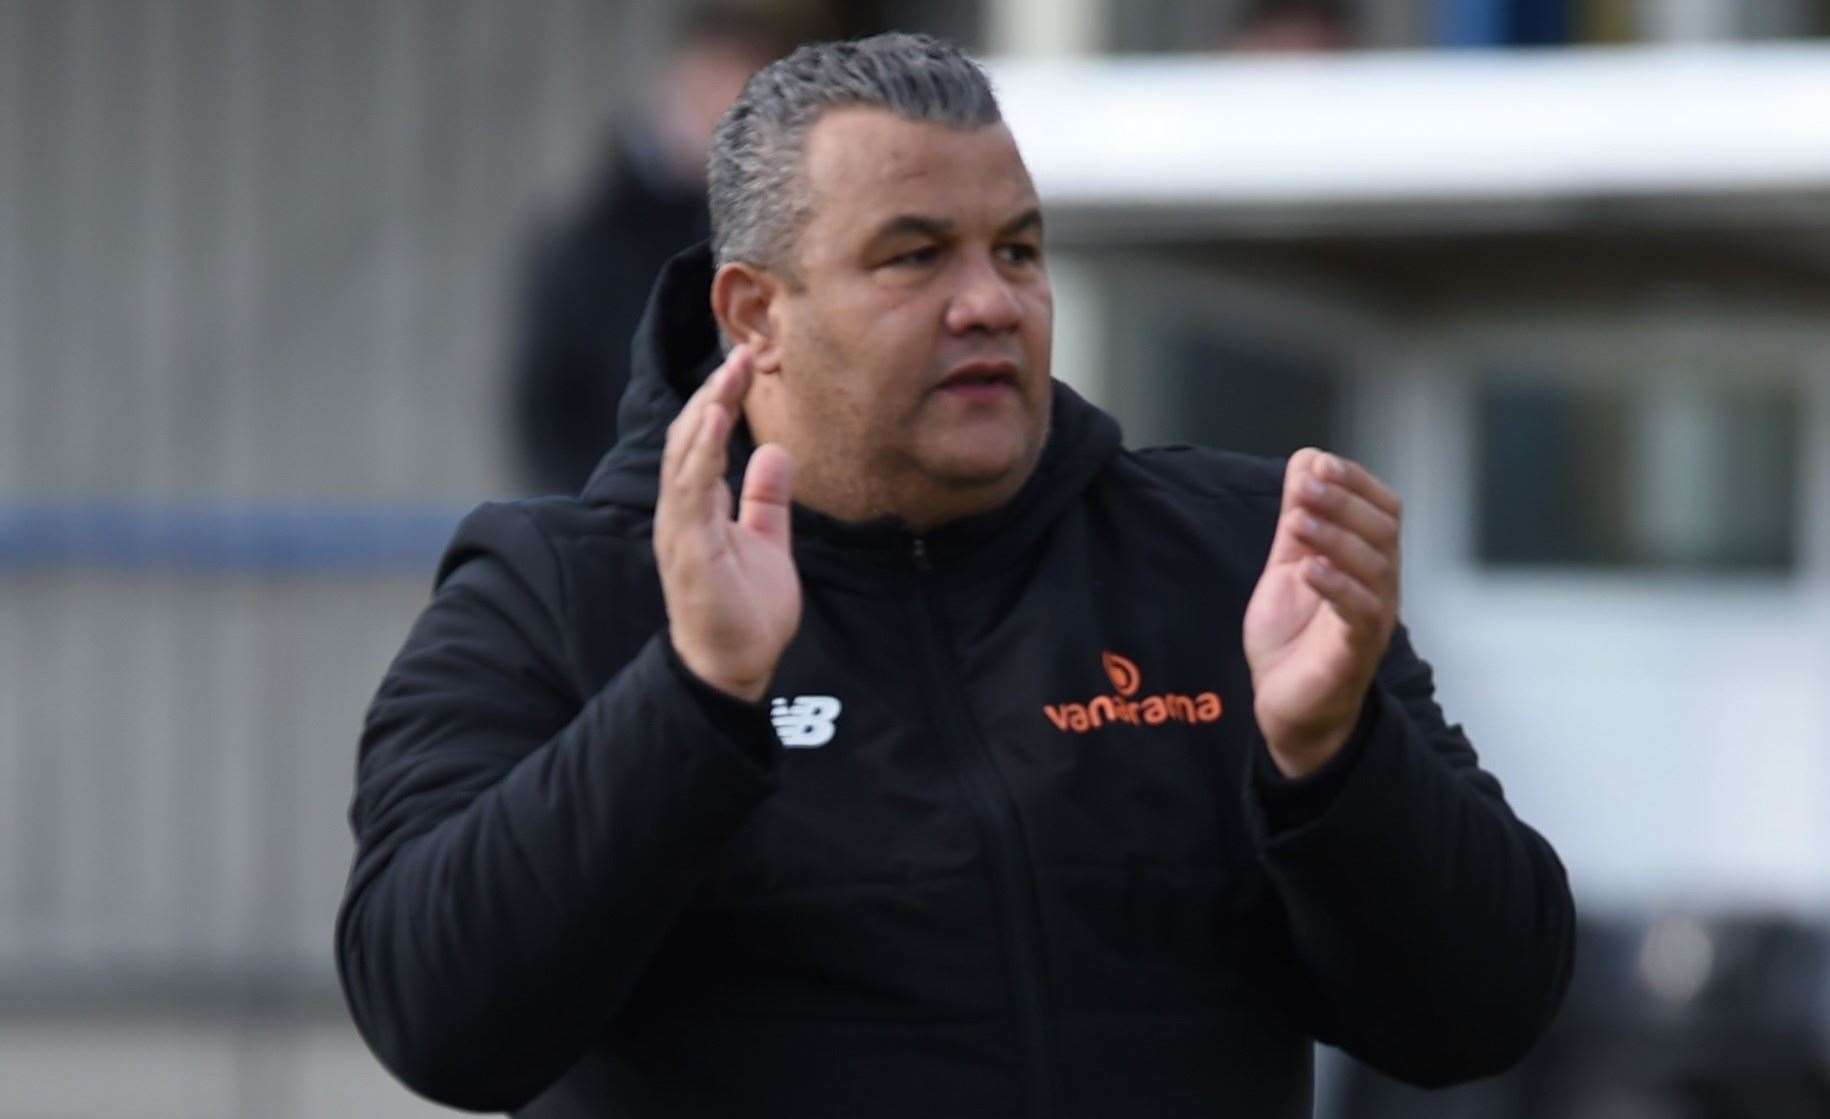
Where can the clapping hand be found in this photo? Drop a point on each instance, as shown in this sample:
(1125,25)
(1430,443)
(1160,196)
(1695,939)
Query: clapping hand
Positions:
(1324,609)
(733,595)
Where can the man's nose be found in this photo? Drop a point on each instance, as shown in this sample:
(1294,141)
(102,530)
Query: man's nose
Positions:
(985,301)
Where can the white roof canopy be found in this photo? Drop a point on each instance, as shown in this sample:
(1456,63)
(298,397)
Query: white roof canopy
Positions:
(1213,134)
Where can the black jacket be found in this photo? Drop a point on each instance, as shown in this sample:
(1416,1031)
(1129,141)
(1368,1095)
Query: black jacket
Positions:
(1013,847)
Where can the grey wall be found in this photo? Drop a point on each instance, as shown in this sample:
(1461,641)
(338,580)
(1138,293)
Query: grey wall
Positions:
(256,266)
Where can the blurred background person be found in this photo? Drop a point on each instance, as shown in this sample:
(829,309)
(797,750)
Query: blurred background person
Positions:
(590,275)
(1294,27)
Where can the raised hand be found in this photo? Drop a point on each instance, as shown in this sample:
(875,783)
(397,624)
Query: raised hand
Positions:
(733,595)
(1324,609)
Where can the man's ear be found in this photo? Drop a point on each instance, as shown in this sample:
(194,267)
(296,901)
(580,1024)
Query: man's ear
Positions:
(742,296)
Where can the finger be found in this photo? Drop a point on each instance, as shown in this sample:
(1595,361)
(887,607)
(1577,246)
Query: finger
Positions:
(1303,464)
(730,381)
(767,489)
(1285,545)
(1347,550)
(715,387)
(1364,612)
(680,436)
(1333,502)
(709,453)
(674,506)
(1356,478)
(695,495)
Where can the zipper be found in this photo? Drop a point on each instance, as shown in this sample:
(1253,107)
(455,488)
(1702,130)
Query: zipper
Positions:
(1012,877)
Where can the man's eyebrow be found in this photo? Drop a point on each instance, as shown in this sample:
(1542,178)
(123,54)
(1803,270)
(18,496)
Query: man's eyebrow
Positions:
(914,225)
(921,225)
(1030,219)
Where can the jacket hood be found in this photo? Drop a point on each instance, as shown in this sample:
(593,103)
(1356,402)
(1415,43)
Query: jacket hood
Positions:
(676,348)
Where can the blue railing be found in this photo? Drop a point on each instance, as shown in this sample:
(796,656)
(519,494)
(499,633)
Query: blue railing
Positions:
(217,537)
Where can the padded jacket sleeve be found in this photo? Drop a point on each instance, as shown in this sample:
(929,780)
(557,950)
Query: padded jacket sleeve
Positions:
(1437,929)
(521,849)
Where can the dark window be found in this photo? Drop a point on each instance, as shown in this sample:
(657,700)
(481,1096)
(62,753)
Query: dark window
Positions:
(1659,474)
(1240,396)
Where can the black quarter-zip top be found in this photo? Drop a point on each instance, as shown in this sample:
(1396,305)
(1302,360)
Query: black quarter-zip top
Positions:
(1008,866)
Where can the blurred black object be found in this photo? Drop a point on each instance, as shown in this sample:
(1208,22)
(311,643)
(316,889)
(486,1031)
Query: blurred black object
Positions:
(1671,1017)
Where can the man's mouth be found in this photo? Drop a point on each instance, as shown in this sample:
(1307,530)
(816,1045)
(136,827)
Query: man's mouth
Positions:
(981,379)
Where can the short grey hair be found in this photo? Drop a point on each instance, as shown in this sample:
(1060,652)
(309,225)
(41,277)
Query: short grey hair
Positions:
(758,203)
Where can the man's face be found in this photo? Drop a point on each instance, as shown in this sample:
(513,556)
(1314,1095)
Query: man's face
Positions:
(914,344)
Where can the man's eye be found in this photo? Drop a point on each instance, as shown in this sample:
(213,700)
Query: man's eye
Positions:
(925,255)
(1020,253)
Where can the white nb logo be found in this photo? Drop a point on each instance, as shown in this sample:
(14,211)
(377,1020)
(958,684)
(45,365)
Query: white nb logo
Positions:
(808,721)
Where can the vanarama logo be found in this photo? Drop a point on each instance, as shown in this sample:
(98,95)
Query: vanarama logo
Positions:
(1124,705)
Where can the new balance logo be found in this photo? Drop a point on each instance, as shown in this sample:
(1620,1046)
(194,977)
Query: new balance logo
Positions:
(807,721)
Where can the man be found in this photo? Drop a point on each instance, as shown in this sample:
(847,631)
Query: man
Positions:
(1000,772)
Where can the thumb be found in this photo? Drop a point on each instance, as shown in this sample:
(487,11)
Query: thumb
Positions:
(767,482)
